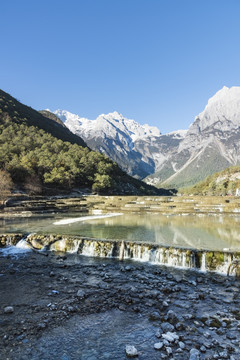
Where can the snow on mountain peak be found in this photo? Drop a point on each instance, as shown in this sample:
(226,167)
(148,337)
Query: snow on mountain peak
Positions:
(106,124)
(224,105)
(115,115)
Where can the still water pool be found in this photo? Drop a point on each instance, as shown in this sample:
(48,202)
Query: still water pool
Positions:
(200,232)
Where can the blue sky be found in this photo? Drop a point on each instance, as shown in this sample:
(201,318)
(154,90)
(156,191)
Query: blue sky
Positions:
(155,61)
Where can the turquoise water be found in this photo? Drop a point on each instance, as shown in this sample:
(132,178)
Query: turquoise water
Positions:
(201,232)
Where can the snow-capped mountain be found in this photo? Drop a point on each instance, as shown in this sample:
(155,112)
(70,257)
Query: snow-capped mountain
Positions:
(211,144)
(180,158)
(109,125)
(138,149)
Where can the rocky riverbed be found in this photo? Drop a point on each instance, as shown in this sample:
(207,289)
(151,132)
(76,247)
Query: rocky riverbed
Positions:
(71,307)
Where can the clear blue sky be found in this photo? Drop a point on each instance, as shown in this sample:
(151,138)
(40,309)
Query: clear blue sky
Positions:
(155,61)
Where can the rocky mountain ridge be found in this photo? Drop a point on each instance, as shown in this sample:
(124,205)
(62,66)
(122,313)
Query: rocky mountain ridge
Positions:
(138,149)
(211,143)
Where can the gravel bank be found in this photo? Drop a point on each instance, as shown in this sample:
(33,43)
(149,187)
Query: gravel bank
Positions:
(70,307)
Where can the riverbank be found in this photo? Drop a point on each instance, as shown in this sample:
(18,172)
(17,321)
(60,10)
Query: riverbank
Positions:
(71,307)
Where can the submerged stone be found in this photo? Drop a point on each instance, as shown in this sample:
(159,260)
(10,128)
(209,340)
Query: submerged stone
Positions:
(131,351)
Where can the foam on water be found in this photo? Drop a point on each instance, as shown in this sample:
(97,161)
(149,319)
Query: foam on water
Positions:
(21,248)
(84,218)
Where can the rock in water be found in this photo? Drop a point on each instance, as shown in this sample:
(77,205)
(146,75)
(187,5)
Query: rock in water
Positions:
(131,351)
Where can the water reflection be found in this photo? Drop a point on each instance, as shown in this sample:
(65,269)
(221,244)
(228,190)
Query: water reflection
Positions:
(201,232)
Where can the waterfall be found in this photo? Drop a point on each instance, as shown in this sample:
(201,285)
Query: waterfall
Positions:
(96,248)
(65,245)
(22,247)
(203,260)
(152,253)
(184,260)
(89,248)
(121,252)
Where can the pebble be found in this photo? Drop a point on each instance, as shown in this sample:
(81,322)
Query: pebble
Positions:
(170,336)
(128,268)
(154,316)
(158,333)
(172,317)
(194,354)
(214,322)
(131,351)
(8,310)
(181,345)
(158,346)
(223,355)
(231,336)
(55,292)
(169,350)
(166,342)
(81,294)
(166,326)
(179,326)
(207,335)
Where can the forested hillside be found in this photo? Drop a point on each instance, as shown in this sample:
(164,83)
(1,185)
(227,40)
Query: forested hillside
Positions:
(34,157)
(226,182)
(22,114)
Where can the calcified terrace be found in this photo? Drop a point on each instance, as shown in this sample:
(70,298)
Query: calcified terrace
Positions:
(180,205)
(164,204)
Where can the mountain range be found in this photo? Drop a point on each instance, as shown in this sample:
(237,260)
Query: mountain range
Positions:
(140,150)
(177,159)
